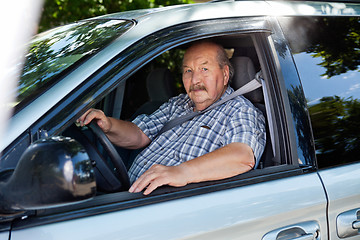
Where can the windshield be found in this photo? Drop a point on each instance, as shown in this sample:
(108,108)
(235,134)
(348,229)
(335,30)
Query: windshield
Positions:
(56,52)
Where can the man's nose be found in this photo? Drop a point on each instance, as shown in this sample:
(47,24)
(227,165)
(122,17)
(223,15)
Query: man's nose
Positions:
(196,77)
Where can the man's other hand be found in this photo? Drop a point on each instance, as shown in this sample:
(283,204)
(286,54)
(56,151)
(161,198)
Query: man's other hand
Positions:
(159,175)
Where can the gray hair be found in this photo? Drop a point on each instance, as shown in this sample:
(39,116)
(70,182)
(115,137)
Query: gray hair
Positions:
(224,60)
(222,57)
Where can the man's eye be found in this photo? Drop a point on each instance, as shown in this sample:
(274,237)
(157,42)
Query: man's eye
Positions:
(204,69)
(187,71)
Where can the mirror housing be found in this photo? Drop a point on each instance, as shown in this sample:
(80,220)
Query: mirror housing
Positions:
(51,172)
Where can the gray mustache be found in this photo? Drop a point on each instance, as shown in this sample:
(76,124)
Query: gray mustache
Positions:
(197,87)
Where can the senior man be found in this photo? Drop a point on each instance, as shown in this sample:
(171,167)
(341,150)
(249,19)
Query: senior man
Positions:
(217,144)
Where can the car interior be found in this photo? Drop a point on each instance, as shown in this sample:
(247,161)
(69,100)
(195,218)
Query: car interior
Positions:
(147,89)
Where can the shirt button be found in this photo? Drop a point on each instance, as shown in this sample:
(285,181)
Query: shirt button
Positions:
(145,163)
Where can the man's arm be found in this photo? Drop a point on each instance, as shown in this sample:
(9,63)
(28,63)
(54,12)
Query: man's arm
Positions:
(228,161)
(122,133)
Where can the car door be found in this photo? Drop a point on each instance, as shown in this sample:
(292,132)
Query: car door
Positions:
(330,75)
(249,212)
(342,186)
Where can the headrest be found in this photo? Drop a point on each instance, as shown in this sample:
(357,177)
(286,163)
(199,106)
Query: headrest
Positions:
(244,73)
(160,85)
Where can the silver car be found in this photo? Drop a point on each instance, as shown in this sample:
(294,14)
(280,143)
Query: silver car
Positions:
(62,181)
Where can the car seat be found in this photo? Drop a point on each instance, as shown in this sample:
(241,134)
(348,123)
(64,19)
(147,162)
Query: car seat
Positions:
(244,72)
(160,86)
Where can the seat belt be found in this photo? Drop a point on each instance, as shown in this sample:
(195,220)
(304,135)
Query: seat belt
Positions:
(250,86)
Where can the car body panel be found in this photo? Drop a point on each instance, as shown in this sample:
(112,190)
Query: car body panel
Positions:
(342,186)
(247,212)
(4,236)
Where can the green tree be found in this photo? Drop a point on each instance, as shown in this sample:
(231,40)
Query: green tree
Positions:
(342,53)
(335,40)
(336,126)
(59,12)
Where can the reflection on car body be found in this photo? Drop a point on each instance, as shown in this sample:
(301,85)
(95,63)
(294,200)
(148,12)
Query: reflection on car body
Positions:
(307,183)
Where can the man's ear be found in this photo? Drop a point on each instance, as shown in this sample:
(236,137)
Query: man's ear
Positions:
(226,72)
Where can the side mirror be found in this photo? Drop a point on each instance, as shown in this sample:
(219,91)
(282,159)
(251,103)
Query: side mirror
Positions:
(51,172)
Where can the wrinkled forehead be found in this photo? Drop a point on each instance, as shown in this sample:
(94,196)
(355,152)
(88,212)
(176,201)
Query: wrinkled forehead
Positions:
(200,54)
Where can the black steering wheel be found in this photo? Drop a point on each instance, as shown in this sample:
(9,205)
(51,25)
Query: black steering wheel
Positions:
(110,176)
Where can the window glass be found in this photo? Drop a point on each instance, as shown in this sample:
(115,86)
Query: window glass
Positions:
(58,50)
(327,55)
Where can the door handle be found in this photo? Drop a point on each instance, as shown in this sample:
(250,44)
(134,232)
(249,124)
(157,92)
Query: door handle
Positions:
(348,223)
(300,231)
(305,237)
(356,225)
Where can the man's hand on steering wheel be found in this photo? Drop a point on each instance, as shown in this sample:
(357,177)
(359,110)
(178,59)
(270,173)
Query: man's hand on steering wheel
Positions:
(98,116)
(100,124)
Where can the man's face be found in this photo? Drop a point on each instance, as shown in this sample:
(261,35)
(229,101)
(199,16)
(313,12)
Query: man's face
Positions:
(203,79)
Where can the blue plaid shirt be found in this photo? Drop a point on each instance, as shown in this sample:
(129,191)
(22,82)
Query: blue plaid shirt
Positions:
(237,120)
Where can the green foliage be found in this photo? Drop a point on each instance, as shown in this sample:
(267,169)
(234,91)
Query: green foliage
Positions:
(334,40)
(336,126)
(342,53)
(59,12)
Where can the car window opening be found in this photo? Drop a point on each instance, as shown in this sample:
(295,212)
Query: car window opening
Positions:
(161,79)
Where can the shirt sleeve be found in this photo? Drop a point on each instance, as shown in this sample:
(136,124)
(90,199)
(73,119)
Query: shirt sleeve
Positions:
(248,126)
